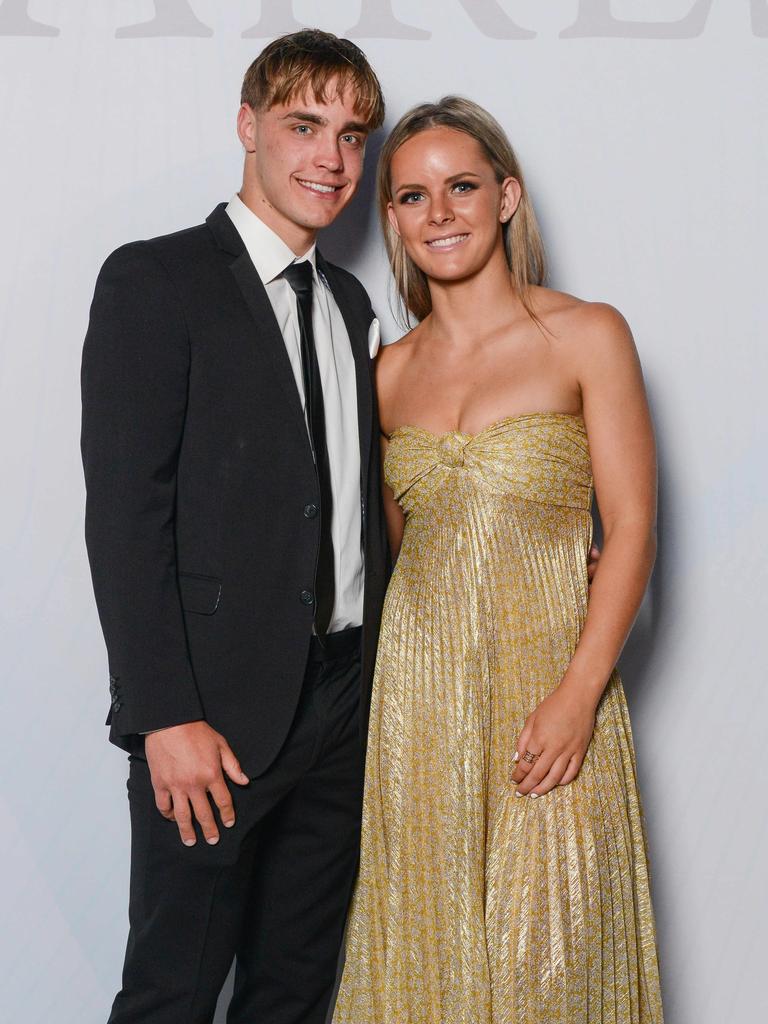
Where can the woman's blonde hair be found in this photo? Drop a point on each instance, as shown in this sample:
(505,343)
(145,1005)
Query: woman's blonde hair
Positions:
(522,240)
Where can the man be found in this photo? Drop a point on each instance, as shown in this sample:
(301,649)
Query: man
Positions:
(238,554)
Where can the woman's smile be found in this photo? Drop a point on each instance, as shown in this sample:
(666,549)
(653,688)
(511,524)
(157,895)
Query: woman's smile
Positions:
(448,243)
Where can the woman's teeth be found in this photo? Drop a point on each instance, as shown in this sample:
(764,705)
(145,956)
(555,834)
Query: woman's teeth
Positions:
(443,243)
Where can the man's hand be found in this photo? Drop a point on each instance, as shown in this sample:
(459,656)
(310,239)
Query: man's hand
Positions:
(185,763)
(593,559)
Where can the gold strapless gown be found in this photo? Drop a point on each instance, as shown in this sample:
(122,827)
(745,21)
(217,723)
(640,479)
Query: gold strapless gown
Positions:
(473,906)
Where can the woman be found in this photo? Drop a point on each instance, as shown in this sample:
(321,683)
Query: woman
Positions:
(504,875)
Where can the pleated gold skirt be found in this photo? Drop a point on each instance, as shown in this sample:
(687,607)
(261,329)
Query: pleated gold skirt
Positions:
(473,906)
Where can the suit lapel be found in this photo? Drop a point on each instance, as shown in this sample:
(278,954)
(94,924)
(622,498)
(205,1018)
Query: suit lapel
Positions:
(260,308)
(353,313)
(357,329)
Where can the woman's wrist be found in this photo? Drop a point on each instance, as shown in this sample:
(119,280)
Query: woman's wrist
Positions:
(586,686)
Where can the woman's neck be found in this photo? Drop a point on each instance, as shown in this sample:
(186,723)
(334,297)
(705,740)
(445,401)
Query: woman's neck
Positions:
(472,306)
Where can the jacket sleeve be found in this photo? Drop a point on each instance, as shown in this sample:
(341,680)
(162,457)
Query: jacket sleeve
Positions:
(134,387)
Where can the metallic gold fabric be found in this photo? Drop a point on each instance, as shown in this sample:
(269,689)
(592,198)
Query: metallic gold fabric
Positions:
(473,906)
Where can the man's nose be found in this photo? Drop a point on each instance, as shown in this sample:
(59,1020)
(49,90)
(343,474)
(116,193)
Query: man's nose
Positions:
(329,155)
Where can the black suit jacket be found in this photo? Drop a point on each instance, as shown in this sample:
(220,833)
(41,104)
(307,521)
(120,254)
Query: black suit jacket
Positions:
(198,469)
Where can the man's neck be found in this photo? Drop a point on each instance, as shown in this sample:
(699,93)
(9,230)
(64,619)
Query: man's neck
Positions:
(299,239)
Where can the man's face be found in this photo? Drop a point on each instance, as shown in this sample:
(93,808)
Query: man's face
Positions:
(304,163)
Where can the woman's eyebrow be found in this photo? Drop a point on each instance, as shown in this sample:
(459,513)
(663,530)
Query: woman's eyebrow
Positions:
(448,181)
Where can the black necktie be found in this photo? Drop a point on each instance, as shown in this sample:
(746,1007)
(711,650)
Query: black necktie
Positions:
(299,277)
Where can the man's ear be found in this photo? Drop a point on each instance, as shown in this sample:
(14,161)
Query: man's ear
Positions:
(511,193)
(246,127)
(392,219)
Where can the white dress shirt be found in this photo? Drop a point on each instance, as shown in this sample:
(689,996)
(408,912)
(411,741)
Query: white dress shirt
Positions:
(270,256)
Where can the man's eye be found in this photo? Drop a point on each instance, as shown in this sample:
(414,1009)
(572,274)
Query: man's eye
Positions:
(352,140)
(411,197)
(302,129)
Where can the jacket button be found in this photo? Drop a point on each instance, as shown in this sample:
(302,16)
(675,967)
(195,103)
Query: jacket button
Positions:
(310,511)
(306,597)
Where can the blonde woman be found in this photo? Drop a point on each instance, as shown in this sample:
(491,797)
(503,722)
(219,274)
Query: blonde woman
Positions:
(504,875)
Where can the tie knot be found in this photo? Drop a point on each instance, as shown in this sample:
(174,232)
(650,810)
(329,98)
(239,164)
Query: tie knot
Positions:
(299,277)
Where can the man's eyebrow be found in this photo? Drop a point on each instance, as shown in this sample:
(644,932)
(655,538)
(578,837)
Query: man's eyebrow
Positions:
(303,115)
(318,119)
(448,181)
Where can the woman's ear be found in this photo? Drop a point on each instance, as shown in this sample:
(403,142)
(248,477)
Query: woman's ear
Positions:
(511,193)
(392,219)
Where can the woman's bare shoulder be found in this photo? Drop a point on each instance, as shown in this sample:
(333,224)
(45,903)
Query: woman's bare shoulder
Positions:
(580,321)
(392,358)
(391,364)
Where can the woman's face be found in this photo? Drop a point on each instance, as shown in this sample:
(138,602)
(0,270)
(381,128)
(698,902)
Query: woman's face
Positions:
(447,206)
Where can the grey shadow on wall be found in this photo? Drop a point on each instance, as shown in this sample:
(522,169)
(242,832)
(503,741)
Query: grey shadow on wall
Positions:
(345,241)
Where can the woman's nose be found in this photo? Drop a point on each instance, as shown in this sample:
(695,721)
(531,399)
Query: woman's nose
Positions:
(440,212)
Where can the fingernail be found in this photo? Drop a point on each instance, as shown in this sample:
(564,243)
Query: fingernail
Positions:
(535,795)
(518,793)
(229,824)
(515,757)
(190,842)
(212,840)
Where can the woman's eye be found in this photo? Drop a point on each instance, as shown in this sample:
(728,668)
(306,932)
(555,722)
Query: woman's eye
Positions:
(464,186)
(411,197)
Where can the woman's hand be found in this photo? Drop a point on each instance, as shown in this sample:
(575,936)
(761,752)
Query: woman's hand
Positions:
(559,731)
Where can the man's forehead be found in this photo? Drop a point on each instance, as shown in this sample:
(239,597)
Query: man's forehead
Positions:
(334,103)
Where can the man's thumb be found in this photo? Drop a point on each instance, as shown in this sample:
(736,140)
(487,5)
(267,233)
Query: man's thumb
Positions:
(231,765)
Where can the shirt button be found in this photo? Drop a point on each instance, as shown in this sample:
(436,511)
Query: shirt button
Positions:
(310,511)
(307,597)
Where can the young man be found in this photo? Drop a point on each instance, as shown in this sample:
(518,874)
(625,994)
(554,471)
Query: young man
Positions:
(235,535)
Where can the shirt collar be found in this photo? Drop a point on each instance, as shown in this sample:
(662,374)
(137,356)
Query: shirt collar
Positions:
(269,254)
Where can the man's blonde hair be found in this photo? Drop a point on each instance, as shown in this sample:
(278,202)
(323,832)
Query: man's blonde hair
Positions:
(310,62)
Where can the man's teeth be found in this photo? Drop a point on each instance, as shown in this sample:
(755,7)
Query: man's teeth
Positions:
(319,188)
(441,243)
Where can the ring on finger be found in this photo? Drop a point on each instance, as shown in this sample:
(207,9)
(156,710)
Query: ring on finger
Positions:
(530,757)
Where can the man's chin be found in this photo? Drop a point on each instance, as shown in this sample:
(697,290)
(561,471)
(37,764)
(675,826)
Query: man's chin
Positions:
(318,219)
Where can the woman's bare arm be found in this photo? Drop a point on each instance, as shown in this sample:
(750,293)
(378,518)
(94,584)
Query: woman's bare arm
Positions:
(624,468)
(623,456)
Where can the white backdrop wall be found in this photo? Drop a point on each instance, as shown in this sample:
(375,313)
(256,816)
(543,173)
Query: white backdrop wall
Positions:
(641,126)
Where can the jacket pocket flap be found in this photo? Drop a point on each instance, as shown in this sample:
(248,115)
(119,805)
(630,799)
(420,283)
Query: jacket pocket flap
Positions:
(199,594)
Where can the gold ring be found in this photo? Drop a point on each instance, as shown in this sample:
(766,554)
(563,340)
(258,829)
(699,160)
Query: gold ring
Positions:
(530,757)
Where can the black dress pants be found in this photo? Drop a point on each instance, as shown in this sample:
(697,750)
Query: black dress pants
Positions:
(273,893)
